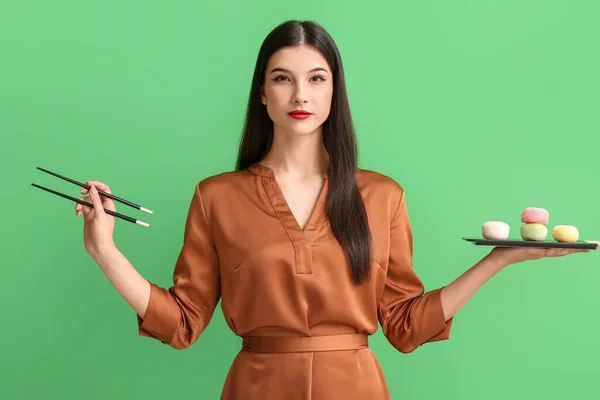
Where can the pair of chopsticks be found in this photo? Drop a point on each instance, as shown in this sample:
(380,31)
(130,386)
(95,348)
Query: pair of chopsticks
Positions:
(85,203)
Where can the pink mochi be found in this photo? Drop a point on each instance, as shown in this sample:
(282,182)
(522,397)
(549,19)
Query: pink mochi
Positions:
(535,215)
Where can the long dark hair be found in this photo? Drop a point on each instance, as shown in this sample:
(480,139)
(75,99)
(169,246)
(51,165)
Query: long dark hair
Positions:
(345,208)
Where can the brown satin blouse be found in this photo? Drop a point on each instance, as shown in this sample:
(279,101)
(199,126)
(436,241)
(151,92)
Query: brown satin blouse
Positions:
(288,293)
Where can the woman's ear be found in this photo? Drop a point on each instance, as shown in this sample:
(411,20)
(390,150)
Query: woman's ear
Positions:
(263,98)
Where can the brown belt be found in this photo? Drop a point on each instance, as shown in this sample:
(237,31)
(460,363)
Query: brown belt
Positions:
(295,344)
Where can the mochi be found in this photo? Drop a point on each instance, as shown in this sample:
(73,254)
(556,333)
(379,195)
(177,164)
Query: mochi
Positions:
(535,215)
(535,232)
(565,233)
(495,230)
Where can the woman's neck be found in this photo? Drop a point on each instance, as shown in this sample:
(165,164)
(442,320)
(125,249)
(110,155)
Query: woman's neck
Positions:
(297,156)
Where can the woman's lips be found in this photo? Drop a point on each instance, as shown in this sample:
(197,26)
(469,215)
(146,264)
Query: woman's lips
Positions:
(299,114)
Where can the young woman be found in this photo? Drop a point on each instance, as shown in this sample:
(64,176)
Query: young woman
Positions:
(307,252)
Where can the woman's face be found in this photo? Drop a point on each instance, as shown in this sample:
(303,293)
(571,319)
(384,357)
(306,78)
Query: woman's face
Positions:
(298,78)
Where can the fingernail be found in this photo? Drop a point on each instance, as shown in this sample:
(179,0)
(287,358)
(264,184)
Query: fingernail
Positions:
(93,190)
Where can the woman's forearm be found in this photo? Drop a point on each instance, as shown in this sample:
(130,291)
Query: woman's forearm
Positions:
(456,294)
(133,287)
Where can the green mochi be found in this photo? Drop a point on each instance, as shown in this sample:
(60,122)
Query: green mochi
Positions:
(534,232)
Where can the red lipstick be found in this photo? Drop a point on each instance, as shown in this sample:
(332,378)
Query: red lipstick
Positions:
(299,114)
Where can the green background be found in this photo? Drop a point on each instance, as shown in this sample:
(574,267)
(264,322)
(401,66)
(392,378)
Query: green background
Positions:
(477,108)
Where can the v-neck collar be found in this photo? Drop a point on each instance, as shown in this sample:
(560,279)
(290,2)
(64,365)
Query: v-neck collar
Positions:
(317,217)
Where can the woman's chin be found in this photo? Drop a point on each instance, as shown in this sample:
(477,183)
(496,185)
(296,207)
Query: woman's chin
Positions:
(299,129)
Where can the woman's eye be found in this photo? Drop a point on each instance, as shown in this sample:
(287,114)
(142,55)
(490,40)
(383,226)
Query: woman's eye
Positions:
(314,78)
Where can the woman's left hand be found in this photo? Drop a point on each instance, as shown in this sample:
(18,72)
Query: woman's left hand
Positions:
(514,255)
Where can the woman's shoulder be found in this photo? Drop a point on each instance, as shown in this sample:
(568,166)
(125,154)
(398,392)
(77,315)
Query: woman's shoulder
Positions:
(382,194)
(220,185)
(379,183)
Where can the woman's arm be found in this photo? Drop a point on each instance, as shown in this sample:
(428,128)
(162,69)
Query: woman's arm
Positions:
(132,286)
(99,244)
(456,294)
(176,315)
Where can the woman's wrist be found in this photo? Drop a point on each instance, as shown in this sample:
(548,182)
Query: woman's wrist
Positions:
(497,261)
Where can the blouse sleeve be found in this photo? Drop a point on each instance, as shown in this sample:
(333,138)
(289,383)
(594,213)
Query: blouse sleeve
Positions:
(408,316)
(179,315)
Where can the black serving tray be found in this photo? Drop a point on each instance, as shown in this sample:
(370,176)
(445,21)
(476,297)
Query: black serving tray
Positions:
(580,244)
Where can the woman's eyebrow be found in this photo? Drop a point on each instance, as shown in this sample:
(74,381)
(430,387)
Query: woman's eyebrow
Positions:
(288,71)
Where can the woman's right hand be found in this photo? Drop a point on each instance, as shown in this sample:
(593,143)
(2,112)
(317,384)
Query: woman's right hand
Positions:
(98,226)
